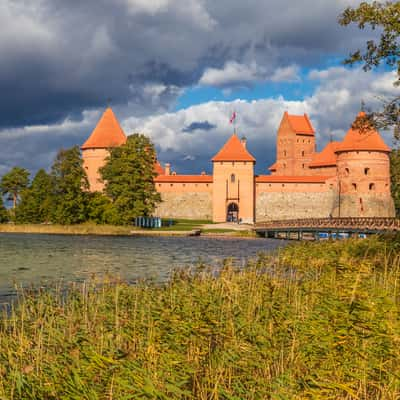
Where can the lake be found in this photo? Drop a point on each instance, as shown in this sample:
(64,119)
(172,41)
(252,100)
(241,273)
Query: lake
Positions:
(42,260)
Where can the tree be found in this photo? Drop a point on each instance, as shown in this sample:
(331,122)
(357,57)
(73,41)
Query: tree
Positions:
(70,187)
(395,178)
(13,183)
(4,217)
(385,16)
(36,201)
(129,179)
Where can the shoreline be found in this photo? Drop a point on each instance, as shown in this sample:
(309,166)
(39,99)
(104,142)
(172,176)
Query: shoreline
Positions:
(110,230)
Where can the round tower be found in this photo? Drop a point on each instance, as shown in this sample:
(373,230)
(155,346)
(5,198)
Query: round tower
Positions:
(107,134)
(363,169)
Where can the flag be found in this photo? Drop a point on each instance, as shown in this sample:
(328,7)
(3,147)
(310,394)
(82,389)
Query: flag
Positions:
(233,117)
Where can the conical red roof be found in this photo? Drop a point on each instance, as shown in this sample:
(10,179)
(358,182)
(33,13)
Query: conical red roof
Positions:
(233,150)
(369,140)
(108,133)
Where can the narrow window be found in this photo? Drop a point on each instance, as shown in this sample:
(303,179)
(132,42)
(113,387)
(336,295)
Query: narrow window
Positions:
(233,163)
(233,178)
(372,186)
(171,184)
(302,153)
(354,185)
(284,153)
(304,166)
(284,165)
(346,171)
(366,171)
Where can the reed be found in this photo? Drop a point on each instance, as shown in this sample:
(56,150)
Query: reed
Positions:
(317,321)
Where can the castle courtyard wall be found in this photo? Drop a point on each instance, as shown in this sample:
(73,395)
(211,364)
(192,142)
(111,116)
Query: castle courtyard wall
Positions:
(188,200)
(279,201)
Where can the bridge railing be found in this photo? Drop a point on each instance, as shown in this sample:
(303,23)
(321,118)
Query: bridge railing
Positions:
(334,223)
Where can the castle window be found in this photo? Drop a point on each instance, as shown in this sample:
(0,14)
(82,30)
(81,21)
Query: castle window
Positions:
(284,152)
(283,185)
(366,171)
(346,171)
(245,163)
(221,163)
(354,186)
(304,165)
(184,184)
(372,186)
(302,153)
(207,184)
(171,184)
(284,165)
(233,178)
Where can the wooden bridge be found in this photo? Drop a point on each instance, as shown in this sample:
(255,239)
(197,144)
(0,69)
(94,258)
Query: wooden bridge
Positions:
(316,228)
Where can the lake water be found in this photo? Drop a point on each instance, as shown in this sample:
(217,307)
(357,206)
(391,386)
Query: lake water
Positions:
(36,260)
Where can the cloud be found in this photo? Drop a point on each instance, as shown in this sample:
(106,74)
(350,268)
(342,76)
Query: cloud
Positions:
(286,74)
(59,58)
(232,73)
(198,126)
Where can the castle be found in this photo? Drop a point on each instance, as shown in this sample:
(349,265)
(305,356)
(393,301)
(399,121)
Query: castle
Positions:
(350,178)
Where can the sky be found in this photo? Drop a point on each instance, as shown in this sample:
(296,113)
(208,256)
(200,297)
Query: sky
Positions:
(175,70)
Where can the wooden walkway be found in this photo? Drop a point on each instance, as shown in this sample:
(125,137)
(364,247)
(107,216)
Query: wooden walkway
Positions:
(326,227)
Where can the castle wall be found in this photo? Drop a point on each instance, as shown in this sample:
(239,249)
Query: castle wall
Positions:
(279,201)
(93,159)
(188,200)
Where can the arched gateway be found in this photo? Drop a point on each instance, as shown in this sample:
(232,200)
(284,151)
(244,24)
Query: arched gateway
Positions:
(232,213)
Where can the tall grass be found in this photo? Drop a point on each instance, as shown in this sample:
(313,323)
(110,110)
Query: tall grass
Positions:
(318,321)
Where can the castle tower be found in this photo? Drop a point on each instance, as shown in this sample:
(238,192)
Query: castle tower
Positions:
(363,169)
(295,146)
(107,134)
(233,182)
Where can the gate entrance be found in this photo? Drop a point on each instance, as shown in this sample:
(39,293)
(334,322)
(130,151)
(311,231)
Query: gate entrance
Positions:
(232,214)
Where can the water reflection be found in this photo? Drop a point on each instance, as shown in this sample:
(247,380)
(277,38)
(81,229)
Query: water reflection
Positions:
(43,259)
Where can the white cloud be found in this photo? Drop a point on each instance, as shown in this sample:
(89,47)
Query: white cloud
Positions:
(286,74)
(232,73)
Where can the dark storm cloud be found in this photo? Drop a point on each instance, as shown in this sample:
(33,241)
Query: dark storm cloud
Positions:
(62,57)
(201,126)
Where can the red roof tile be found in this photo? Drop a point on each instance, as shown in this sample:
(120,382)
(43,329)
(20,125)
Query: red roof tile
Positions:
(301,124)
(184,178)
(290,179)
(233,150)
(369,140)
(108,133)
(159,170)
(327,157)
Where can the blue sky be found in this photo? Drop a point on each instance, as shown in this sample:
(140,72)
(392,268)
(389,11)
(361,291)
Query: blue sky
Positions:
(175,72)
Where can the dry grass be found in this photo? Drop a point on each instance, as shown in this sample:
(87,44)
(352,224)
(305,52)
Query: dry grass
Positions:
(318,321)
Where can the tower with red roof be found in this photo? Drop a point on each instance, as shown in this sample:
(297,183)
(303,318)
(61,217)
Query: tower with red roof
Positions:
(107,134)
(233,182)
(363,173)
(295,146)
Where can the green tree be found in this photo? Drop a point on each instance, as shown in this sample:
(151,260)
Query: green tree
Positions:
(101,210)
(386,17)
(13,183)
(129,179)
(36,201)
(70,187)
(395,178)
(4,217)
